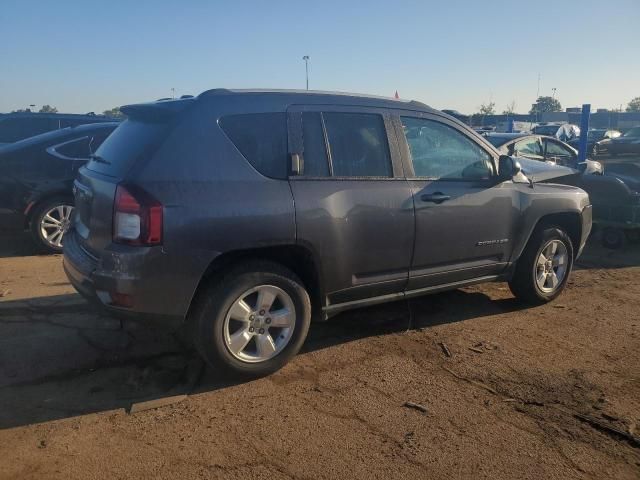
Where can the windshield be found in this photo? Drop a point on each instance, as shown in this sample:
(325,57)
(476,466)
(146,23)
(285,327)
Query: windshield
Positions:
(496,141)
(125,145)
(546,129)
(634,132)
(594,134)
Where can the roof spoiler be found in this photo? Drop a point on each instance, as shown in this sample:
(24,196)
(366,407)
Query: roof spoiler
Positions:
(160,111)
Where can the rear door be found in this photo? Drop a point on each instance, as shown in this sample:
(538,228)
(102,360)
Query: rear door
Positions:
(465,219)
(353,206)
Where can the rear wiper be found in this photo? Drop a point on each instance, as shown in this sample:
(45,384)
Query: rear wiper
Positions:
(99,159)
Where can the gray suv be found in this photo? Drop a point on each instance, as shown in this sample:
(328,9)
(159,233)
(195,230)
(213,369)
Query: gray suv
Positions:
(245,214)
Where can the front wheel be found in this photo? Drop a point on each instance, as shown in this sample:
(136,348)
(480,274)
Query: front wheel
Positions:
(252,320)
(543,269)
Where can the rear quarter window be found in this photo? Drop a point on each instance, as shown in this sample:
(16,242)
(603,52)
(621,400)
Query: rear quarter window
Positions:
(262,139)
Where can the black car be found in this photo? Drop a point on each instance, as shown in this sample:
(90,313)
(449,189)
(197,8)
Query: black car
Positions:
(244,214)
(598,140)
(614,192)
(628,142)
(542,148)
(36,179)
(20,125)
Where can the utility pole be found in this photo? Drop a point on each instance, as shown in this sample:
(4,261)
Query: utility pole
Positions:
(306,68)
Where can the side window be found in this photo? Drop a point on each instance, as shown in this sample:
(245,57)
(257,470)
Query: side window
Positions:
(358,145)
(74,149)
(262,140)
(315,152)
(439,151)
(530,148)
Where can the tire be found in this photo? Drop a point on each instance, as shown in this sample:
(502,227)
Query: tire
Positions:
(56,213)
(525,284)
(613,238)
(218,334)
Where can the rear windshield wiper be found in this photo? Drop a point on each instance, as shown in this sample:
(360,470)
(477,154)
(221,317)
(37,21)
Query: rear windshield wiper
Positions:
(99,159)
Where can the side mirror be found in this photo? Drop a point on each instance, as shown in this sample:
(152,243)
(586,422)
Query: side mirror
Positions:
(508,167)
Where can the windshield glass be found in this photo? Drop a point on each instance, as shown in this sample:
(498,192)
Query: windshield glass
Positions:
(125,145)
(496,141)
(634,132)
(546,129)
(594,134)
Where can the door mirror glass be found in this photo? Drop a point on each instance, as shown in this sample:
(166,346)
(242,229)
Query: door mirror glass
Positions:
(508,167)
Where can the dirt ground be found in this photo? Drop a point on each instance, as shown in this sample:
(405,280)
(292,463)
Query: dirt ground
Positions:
(505,404)
(463,384)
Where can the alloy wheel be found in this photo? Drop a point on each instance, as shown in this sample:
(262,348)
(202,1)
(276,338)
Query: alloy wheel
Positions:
(54,224)
(259,324)
(551,266)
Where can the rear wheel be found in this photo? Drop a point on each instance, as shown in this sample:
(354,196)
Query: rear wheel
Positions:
(613,238)
(543,269)
(51,220)
(252,320)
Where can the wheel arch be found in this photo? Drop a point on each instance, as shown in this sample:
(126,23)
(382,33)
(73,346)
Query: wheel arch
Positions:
(297,258)
(35,202)
(570,221)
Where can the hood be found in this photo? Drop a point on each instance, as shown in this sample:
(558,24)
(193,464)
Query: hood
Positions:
(538,171)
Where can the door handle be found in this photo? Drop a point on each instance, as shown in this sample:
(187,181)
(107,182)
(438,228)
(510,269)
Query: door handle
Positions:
(437,197)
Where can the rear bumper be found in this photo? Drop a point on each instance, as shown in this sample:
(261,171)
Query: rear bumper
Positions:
(140,274)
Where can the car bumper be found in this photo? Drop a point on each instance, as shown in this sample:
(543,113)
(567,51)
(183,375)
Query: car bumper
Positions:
(587,222)
(131,283)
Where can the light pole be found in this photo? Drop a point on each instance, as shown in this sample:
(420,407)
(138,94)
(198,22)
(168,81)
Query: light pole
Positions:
(306,68)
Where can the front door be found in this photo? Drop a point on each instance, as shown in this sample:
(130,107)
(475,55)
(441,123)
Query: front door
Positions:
(354,207)
(464,218)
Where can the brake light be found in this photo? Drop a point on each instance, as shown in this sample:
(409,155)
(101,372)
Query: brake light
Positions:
(137,217)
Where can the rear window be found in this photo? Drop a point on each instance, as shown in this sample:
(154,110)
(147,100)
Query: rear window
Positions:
(262,140)
(125,145)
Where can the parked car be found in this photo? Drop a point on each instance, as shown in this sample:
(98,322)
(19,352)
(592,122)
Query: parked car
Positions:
(614,193)
(36,178)
(542,148)
(243,214)
(598,140)
(20,125)
(562,131)
(628,142)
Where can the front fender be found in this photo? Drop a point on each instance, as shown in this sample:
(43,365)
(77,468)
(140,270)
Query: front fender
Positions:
(547,200)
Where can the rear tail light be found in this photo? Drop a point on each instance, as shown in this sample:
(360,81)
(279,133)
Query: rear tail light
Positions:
(137,217)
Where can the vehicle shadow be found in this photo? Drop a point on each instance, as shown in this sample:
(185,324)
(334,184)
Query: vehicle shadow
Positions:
(60,357)
(18,244)
(595,256)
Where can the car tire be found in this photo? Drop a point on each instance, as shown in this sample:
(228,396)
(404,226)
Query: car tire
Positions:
(613,238)
(232,309)
(547,256)
(50,221)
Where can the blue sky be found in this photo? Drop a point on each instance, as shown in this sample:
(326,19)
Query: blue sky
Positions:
(92,55)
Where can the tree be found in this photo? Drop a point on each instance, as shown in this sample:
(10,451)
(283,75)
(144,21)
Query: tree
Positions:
(511,108)
(634,105)
(487,108)
(114,113)
(546,104)
(48,109)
